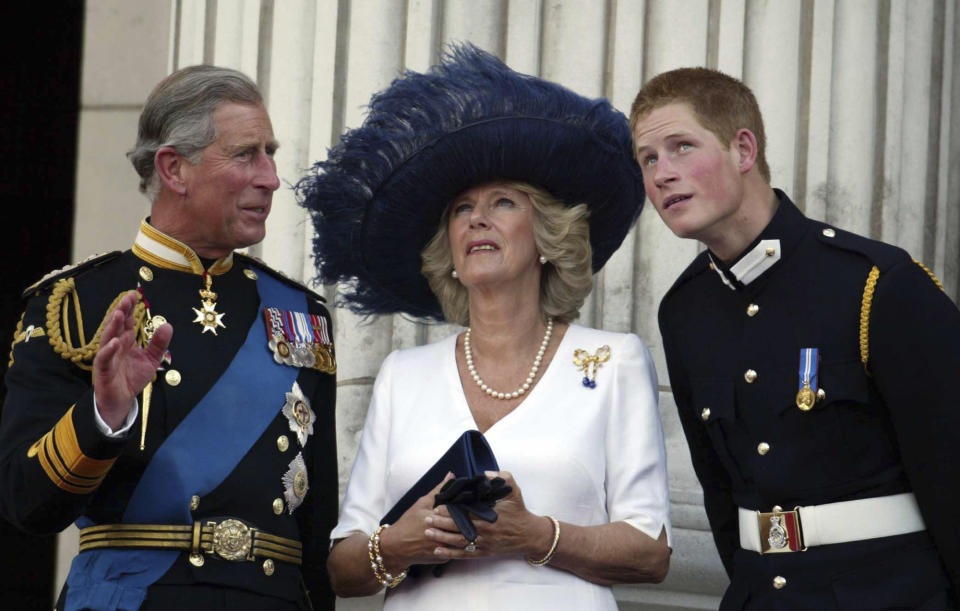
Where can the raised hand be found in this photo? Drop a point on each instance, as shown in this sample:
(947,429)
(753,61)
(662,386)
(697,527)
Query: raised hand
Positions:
(121,368)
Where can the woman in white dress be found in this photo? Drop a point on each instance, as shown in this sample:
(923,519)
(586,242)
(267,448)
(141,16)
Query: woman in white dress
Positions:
(445,204)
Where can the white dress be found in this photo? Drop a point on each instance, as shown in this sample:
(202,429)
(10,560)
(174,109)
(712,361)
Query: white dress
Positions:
(586,456)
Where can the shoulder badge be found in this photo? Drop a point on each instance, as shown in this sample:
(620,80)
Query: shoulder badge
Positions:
(70,270)
(279,275)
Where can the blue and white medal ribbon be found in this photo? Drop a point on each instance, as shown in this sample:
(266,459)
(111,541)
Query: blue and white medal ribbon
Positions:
(303,339)
(809,363)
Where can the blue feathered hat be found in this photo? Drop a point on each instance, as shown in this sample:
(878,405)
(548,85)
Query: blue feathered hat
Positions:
(378,197)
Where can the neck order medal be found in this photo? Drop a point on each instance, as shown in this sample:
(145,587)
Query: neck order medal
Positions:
(207,315)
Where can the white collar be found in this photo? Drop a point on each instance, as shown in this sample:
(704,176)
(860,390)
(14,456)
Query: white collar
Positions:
(751,266)
(156,247)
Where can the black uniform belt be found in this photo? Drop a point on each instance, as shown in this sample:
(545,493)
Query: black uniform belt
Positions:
(229,538)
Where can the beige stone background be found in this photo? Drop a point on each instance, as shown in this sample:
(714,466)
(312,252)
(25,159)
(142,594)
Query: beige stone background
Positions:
(861,100)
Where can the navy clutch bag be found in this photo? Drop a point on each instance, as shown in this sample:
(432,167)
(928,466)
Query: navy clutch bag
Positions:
(470,492)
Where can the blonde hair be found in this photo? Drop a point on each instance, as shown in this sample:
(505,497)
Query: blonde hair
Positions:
(561,234)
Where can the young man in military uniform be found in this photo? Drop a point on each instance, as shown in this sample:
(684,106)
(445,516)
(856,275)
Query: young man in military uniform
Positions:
(814,372)
(200,465)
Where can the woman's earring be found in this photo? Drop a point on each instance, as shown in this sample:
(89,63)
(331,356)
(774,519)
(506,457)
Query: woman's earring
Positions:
(543,260)
(454,274)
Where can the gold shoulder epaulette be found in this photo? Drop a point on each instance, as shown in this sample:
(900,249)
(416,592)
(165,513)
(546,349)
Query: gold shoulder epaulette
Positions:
(70,270)
(64,306)
(279,275)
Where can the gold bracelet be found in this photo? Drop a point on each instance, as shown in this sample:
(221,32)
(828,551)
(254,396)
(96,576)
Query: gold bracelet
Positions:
(376,561)
(553,546)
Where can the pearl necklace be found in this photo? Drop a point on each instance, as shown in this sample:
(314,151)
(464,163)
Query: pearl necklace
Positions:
(468,355)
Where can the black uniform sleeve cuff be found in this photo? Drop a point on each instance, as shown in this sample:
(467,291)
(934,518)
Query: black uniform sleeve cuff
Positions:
(74,454)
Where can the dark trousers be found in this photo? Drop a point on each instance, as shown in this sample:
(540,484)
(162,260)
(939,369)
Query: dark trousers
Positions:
(902,572)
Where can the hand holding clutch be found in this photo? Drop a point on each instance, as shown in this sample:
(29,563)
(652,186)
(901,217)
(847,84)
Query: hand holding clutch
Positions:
(470,492)
(471,495)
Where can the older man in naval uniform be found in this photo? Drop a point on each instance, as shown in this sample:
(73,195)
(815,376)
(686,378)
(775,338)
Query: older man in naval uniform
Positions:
(200,464)
(815,373)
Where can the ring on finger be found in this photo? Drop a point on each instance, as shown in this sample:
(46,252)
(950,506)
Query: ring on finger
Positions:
(471,546)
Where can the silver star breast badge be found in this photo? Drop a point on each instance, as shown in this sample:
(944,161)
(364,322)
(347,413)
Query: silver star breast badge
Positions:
(298,413)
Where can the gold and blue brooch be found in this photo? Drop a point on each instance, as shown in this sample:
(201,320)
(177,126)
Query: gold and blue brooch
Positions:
(590,363)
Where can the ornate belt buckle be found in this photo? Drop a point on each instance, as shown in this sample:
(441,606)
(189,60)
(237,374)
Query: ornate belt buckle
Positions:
(232,540)
(780,531)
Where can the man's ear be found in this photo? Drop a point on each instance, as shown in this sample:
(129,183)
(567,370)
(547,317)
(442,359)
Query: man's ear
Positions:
(171,166)
(745,145)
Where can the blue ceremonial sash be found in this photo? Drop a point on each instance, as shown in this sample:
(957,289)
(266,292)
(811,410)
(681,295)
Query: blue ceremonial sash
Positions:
(197,456)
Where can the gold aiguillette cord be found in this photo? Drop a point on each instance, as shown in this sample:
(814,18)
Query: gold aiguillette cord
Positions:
(147,334)
(147,393)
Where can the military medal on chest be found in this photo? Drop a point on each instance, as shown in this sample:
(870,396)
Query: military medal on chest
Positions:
(300,418)
(299,339)
(322,345)
(808,394)
(277,337)
(207,315)
(298,413)
(295,483)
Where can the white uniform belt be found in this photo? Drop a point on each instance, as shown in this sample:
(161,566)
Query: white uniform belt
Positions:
(790,531)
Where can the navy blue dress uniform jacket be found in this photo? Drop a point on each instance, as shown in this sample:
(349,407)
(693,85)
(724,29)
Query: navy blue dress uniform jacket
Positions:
(42,387)
(894,430)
